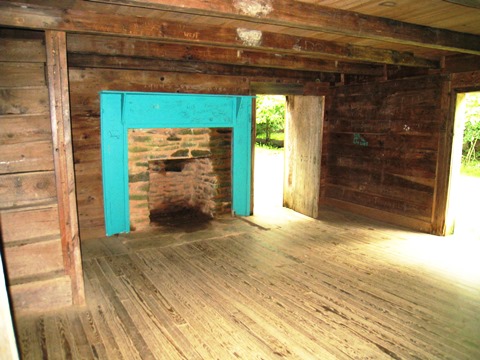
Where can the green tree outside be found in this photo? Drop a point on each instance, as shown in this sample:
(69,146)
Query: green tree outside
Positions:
(471,135)
(270,116)
(472,127)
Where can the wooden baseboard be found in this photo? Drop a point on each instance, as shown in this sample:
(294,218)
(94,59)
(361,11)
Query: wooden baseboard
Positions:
(376,214)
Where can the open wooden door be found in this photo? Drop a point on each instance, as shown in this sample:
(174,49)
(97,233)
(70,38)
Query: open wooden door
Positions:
(303,153)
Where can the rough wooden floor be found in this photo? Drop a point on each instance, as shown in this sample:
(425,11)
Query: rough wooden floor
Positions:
(279,286)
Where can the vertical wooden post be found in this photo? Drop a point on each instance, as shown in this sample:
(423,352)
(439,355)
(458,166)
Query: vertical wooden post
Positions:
(58,88)
(445,143)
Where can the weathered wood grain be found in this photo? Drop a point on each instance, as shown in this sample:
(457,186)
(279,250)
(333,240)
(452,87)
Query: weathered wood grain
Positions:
(466,81)
(92,80)
(311,16)
(33,259)
(57,74)
(461,63)
(342,287)
(29,224)
(309,75)
(26,157)
(18,129)
(284,81)
(389,182)
(34,188)
(383,146)
(27,100)
(22,50)
(29,216)
(303,148)
(444,161)
(21,74)
(269,87)
(40,296)
(124,48)
(102,21)
(387,202)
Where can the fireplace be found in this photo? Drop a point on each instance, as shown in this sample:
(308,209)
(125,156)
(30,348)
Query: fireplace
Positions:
(178,176)
(123,112)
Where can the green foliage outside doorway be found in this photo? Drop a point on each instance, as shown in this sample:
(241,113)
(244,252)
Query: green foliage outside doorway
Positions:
(271,119)
(471,136)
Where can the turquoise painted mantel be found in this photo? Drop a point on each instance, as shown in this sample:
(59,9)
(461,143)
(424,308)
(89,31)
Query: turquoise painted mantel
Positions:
(121,111)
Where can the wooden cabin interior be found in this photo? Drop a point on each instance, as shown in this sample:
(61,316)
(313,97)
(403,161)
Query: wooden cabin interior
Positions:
(371,92)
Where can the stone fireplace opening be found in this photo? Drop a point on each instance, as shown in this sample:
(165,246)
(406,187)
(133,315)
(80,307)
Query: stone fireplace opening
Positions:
(178,178)
(181,191)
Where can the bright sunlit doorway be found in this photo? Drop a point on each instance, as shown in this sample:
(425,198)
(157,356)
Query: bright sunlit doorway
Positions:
(269,152)
(302,132)
(464,195)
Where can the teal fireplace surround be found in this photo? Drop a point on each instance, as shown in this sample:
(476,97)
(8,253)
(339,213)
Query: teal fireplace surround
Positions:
(121,111)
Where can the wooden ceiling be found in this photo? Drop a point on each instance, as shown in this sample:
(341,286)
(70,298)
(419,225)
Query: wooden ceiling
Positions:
(312,35)
(433,13)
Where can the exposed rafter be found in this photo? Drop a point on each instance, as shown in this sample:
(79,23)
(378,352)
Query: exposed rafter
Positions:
(101,22)
(308,16)
(115,46)
(135,63)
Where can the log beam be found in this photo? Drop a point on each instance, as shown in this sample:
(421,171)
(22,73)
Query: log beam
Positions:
(297,14)
(115,46)
(134,63)
(81,21)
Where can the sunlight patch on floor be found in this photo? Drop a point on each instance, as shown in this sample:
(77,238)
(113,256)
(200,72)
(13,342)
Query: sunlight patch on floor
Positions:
(455,257)
(452,256)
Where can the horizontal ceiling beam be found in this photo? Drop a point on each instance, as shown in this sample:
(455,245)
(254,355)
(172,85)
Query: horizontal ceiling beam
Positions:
(314,17)
(136,63)
(116,46)
(43,17)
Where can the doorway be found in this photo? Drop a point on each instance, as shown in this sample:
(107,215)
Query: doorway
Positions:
(464,194)
(269,152)
(297,182)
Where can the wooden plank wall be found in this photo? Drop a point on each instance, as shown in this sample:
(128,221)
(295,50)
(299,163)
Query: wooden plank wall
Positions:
(99,63)
(381,147)
(85,85)
(28,200)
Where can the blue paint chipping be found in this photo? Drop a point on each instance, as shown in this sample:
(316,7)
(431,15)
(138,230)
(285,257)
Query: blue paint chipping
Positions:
(121,111)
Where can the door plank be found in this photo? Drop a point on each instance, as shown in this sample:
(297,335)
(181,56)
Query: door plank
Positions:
(303,153)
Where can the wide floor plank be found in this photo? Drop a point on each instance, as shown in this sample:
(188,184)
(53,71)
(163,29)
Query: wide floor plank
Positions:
(277,285)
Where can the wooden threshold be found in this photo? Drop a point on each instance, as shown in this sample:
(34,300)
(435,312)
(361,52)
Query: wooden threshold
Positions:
(278,285)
